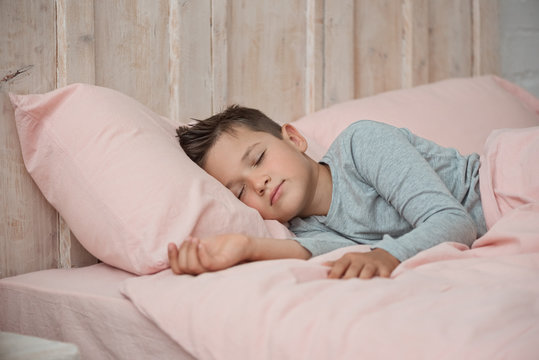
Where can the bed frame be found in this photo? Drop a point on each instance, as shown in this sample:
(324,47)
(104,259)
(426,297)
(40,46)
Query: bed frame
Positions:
(187,59)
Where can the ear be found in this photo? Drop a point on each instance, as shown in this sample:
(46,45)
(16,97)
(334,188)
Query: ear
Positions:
(293,136)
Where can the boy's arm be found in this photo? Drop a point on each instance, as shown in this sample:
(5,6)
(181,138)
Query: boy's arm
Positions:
(388,161)
(196,256)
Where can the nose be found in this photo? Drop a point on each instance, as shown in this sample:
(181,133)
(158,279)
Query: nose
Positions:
(260,183)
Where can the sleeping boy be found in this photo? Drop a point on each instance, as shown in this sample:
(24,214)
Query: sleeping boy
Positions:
(377,185)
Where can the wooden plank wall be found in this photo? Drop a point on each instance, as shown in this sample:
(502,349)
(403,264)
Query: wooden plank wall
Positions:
(190,58)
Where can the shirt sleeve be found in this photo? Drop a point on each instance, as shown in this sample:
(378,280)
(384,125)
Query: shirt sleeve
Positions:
(318,241)
(386,160)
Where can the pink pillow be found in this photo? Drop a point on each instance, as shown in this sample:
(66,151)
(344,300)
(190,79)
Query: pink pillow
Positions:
(115,172)
(459,113)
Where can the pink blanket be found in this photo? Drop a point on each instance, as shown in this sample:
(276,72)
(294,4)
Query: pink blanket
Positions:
(448,302)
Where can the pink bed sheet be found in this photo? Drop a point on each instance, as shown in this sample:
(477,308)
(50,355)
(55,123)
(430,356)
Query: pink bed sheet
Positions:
(449,302)
(85,307)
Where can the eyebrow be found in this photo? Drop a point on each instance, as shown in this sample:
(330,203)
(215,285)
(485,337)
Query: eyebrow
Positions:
(248,151)
(245,156)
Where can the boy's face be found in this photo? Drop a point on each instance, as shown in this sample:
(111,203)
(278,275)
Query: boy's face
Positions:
(269,174)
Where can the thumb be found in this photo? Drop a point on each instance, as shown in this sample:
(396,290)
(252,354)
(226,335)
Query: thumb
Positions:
(205,258)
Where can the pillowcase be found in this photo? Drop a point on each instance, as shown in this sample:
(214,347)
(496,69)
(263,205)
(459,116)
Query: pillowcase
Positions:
(457,113)
(116,173)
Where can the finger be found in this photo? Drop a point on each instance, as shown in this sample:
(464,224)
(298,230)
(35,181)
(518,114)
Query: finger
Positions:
(328,263)
(368,271)
(353,271)
(206,259)
(339,268)
(182,256)
(384,272)
(193,261)
(173,258)
(191,257)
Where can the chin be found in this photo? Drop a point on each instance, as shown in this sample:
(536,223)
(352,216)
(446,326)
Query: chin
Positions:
(285,219)
(281,219)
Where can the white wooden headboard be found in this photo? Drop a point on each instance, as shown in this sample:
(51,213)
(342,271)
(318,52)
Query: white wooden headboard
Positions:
(189,58)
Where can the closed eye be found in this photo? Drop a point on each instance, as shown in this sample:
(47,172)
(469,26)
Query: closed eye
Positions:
(241,192)
(257,162)
(260,158)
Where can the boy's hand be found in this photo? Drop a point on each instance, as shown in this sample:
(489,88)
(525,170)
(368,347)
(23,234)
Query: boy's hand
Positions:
(196,256)
(377,262)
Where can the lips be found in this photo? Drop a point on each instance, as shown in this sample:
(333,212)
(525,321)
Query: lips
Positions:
(276,193)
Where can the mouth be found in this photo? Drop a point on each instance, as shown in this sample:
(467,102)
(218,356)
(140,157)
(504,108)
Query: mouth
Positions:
(276,193)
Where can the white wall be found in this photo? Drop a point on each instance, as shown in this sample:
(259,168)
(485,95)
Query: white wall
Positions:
(519,32)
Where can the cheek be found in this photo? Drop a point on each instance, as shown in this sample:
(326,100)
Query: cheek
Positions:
(255,202)
(252,201)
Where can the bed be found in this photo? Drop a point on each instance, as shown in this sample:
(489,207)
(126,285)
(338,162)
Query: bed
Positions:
(85,307)
(90,174)
(449,301)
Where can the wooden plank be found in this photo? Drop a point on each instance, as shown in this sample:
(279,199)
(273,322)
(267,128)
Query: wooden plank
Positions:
(64,234)
(75,42)
(486,37)
(28,224)
(174,63)
(75,63)
(219,54)
(339,52)
(266,56)
(314,56)
(450,41)
(190,82)
(378,47)
(415,32)
(318,98)
(132,49)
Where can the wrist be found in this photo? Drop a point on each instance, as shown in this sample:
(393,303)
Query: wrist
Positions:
(270,249)
(386,254)
(260,249)
(252,251)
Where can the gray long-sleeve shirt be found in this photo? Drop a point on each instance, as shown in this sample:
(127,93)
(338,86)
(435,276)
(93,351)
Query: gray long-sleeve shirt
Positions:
(396,191)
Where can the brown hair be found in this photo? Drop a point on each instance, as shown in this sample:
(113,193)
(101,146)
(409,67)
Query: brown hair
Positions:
(198,138)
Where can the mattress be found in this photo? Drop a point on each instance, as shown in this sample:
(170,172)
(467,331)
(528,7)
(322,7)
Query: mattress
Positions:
(83,306)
